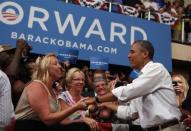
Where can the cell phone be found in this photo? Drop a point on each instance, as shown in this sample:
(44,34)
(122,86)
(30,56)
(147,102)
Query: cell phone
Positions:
(174,83)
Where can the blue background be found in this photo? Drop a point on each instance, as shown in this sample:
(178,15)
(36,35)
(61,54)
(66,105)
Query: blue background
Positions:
(158,34)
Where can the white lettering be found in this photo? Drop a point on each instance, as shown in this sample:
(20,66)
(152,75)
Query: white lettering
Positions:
(69,19)
(82,46)
(41,21)
(99,32)
(30,38)
(106,49)
(53,41)
(120,35)
(113,50)
(68,43)
(137,29)
(60,42)
(22,36)
(99,48)
(75,45)
(14,35)
(38,39)
(90,48)
(45,40)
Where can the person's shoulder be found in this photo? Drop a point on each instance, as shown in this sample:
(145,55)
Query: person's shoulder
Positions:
(156,65)
(2,73)
(33,85)
(4,76)
(159,66)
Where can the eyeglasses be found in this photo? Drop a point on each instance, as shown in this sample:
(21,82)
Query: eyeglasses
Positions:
(78,80)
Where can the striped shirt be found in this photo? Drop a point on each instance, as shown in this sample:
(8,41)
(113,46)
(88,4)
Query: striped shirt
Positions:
(6,105)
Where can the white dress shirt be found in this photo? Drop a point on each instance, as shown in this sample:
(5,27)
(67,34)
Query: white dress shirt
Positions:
(156,100)
(6,106)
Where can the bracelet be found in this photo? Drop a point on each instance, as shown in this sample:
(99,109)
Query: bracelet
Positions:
(97,99)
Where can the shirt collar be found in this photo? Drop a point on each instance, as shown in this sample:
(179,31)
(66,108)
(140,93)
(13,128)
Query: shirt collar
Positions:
(145,67)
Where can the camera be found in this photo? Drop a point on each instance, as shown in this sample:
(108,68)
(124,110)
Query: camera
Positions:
(174,83)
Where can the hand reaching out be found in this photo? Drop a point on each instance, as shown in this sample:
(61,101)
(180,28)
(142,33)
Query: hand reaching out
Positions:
(81,104)
(187,121)
(108,105)
(90,100)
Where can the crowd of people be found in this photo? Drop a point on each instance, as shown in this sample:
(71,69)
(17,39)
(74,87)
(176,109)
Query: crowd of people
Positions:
(173,13)
(49,94)
(43,93)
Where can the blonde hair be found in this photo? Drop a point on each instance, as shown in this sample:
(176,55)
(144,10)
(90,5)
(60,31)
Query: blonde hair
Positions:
(184,83)
(41,67)
(70,75)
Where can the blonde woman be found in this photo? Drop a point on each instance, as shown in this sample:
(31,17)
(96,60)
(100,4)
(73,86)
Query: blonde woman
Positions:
(38,106)
(75,81)
(181,88)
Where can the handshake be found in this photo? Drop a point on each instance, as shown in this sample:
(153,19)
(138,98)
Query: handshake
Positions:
(93,104)
(86,103)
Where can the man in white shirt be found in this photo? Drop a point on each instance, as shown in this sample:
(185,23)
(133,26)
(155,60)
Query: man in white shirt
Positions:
(155,97)
(6,106)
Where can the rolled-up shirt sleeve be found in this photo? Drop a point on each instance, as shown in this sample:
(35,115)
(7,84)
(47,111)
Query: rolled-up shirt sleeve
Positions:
(124,112)
(146,83)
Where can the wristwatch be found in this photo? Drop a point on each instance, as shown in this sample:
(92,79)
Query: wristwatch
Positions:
(97,99)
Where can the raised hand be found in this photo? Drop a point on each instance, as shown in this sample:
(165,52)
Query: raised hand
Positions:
(179,89)
(23,46)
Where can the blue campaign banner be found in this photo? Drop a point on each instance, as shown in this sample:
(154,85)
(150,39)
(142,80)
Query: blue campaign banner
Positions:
(65,54)
(98,63)
(50,25)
